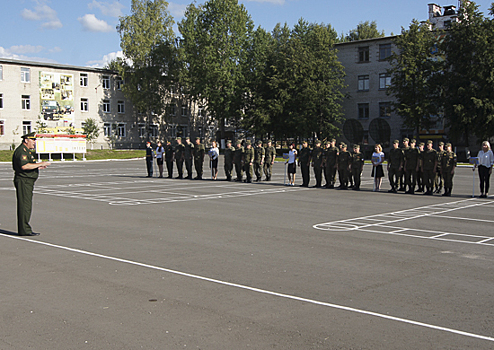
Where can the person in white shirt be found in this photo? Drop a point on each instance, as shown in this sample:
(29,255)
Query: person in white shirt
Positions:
(160,150)
(377,169)
(292,168)
(486,161)
(214,153)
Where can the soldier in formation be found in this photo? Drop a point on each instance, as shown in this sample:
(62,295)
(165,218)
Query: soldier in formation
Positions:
(199,153)
(317,163)
(188,157)
(395,166)
(228,160)
(238,161)
(169,157)
(304,158)
(259,155)
(357,167)
(179,157)
(330,163)
(270,155)
(248,161)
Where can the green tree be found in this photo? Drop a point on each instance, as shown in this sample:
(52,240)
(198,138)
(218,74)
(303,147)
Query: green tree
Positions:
(414,81)
(91,130)
(306,81)
(469,78)
(364,30)
(151,65)
(215,36)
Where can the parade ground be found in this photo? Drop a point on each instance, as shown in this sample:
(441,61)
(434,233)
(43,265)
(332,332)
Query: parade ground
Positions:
(129,262)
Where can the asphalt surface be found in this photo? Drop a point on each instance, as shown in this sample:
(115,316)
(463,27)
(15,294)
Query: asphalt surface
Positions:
(129,262)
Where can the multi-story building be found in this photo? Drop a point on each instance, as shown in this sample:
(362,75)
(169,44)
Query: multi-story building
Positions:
(60,98)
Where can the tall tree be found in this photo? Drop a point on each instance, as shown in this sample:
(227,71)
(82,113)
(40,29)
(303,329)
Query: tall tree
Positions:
(469,75)
(214,38)
(414,70)
(151,63)
(306,81)
(364,30)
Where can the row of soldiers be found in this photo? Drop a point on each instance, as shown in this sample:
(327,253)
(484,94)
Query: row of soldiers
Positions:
(187,154)
(429,169)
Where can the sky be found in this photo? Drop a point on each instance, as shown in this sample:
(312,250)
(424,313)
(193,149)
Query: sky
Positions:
(83,32)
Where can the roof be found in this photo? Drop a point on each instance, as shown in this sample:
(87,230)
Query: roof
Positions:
(55,66)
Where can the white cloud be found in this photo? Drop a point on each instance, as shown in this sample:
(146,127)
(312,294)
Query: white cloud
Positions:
(91,24)
(45,14)
(9,54)
(25,49)
(106,59)
(177,10)
(112,10)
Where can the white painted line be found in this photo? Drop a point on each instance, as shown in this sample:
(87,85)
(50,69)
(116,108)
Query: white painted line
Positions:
(262,291)
(460,218)
(486,240)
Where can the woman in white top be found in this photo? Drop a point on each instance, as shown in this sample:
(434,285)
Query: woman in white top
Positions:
(292,168)
(377,169)
(486,160)
(214,153)
(159,157)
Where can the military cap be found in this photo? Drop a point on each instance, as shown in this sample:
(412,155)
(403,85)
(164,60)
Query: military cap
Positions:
(179,139)
(413,141)
(449,145)
(198,138)
(187,138)
(441,143)
(406,139)
(318,142)
(31,135)
(228,141)
(259,142)
(421,144)
(268,141)
(429,142)
(248,142)
(327,142)
(356,146)
(239,142)
(333,140)
(343,145)
(396,141)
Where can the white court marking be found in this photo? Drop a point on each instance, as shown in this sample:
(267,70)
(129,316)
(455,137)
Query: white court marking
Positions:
(386,223)
(262,291)
(121,192)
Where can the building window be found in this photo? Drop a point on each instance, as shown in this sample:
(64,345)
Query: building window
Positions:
(121,130)
(25,75)
(384,51)
(119,83)
(153,130)
(172,109)
(106,106)
(384,81)
(363,111)
(384,109)
(1,101)
(1,72)
(84,105)
(83,79)
(26,127)
(121,107)
(107,129)
(2,127)
(184,111)
(106,82)
(141,128)
(363,54)
(363,83)
(26,102)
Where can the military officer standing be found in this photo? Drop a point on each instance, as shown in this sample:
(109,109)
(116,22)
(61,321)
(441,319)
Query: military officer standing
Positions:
(169,154)
(26,173)
(448,166)
(238,160)
(270,152)
(149,158)
(248,161)
(438,182)
(330,163)
(317,162)
(411,166)
(357,166)
(395,166)
(188,154)
(429,164)
(179,157)
(199,153)
(420,170)
(259,155)
(344,163)
(405,148)
(304,163)
(228,166)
